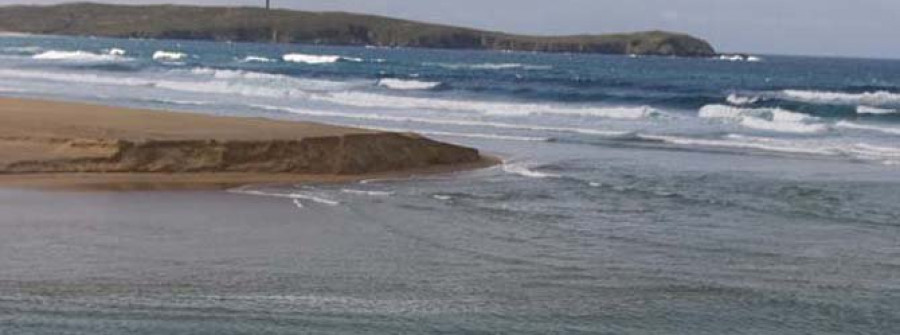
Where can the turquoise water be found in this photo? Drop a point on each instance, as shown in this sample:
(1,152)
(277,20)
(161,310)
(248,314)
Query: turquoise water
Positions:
(638,196)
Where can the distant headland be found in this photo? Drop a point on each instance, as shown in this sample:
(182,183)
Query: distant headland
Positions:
(247,24)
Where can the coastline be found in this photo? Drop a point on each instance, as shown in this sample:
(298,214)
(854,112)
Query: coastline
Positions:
(75,146)
(249,24)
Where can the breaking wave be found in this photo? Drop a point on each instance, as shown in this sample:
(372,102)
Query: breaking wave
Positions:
(318,59)
(740,58)
(401,84)
(522,169)
(868,127)
(368,100)
(30,50)
(368,193)
(201,80)
(79,56)
(768,119)
(297,197)
(452,122)
(739,100)
(490,66)
(256,59)
(879,98)
(861,151)
(874,110)
(116,52)
(168,56)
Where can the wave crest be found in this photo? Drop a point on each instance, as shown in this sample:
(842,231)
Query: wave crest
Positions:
(257,59)
(868,127)
(739,100)
(767,119)
(368,100)
(489,66)
(874,110)
(317,59)
(402,84)
(78,56)
(523,170)
(879,98)
(168,56)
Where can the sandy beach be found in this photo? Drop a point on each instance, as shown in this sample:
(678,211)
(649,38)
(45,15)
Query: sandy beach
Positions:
(73,145)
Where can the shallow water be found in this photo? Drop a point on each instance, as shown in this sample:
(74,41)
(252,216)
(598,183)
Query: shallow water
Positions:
(639,196)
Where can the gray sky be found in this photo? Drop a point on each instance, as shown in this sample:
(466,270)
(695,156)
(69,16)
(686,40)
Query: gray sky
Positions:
(865,28)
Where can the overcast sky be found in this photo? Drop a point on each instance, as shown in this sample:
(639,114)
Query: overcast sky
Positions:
(867,28)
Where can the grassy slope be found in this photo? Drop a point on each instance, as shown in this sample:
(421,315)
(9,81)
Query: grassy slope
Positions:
(284,26)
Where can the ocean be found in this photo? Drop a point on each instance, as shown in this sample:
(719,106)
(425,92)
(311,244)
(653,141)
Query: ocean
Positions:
(638,195)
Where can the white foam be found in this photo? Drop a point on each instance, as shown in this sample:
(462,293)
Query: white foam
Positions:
(227,88)
(743,142)
(768,119)
(317,59)
(182,102)
(369,100)
(280,82)
(23,50)
(874,110)
(294,196)
(783,127)
(523,170)
(879,98)
(116,52)
(224,82)
(490,66)
(378,117)
(738,100)
(868,127)
(479,135)
(257,59)
(77,56)
(401,84)
(168,56)
(739,58)
(367,193)
(11,90)
(442,197)
(81,78)
(862,151)
(453,122)
(206,86)
(457,134)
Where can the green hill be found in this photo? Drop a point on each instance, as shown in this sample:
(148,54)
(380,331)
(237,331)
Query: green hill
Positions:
(246,24)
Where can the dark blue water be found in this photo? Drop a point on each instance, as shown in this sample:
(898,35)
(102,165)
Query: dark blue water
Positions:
(639,195)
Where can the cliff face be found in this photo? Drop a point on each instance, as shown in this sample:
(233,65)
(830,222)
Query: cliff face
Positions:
(283,26)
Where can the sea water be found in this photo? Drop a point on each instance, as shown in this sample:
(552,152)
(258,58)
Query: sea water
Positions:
(638,195)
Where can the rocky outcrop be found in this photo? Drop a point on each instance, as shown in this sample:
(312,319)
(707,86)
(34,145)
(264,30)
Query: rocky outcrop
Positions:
(46,137)
(283,26)
(352,154)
